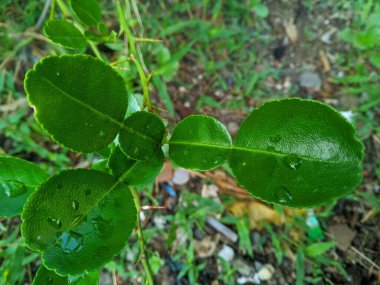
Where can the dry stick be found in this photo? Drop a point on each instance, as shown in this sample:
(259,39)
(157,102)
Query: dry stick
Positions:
(144,255)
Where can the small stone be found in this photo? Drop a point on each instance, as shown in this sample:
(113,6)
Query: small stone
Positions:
(182,89)
(181,176)
(310,80)
(266,272)
(233,127)
(242,267)
(227,253)
(219,93)
(159,221)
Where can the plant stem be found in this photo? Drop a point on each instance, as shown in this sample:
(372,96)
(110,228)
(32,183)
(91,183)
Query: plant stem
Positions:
(52,10)
(132,46)
(144,255)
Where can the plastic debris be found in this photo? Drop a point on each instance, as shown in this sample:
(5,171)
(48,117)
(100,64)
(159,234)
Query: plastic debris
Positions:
(181,176)
(218,226)
(348,115)
(170,191)
(314,229)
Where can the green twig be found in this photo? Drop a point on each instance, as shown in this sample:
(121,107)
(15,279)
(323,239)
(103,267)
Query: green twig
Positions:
(132,46)
(52,9)
(144,255)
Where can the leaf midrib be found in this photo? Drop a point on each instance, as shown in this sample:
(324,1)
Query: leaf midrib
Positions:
(112,120)
(260,151)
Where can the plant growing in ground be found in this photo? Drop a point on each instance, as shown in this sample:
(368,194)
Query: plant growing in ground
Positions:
(293,152)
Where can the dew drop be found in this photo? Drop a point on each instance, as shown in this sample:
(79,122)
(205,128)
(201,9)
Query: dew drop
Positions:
(70,242)
(293,161)
(75,205)
(102,227)
(13,189)
(38,238)
(276,139)
(77,219)
(244,163)
(218,159)
(102,134)
(136,150)
(50,280)
(283,195)
(58,74)
(55,223)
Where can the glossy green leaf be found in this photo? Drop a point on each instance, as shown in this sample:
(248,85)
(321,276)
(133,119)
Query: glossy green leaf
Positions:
(45,276)
(133,105)
(88,11)
(65,34)
(319,248)
(79,100)
(18,179)
(135,172)
(141,135)
(298,153)
(78,220)
(91,278)
(200,143)
(375,59)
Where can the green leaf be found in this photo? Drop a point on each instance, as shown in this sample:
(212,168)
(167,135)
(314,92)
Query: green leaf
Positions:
(88,11)
(78,220)
(375,59)
(261,10)
(135,172)
(45,276)
(65,34)
(300,268)
(298,153)
(142,135)
(18,179)
(200,143)
(79,100)
(133,105)
(319,248)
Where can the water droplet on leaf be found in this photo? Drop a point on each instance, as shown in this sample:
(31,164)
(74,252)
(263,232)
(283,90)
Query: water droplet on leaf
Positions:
(55,223)
(293,161)
(77,219)
(13,189)
(102,134)
(75,205)
(283,195)
(102,227)
(70,242)
(275,139)
(58,74)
